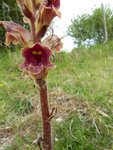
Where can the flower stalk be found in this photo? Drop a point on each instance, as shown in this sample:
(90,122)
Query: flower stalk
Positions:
(37,52)
(33,32)
(46,121)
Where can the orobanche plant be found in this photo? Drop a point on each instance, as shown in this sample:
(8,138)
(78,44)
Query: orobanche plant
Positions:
(36,51)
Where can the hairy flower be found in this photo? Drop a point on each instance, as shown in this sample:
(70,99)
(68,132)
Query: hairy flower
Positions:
(53,42)
(37,60)
(26,6)
(16,34)
(47,11)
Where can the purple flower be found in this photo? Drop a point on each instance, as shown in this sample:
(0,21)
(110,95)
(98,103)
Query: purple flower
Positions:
(47,11)
(37,60)
(53,42)
(26,6)
(16,34)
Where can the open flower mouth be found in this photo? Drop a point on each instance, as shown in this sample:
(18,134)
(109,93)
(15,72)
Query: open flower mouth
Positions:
(36,52)
(37,59)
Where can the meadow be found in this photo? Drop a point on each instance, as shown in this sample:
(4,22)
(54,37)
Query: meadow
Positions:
(80,87)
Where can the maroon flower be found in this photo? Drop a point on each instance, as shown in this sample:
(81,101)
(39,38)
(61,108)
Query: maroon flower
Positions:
(16,34)
(26,6)
(37,60)
(53,42)
(56,3)
(47,11)
(49,3)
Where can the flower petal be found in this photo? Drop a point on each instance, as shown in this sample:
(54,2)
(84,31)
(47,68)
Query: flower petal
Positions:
(46,15)
(46,58)
(56,3)
(49,3)
(37,60)
(39,72)
(37,3)
(16,32)
(10,38)
(53,42)
(26,6)
(35,69)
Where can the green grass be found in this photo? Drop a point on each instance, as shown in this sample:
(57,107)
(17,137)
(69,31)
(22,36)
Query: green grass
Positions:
(87,75)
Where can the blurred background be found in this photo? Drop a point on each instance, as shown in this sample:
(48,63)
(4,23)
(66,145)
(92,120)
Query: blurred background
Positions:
(83,23)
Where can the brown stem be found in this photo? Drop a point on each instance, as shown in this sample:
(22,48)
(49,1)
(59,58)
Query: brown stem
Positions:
(33,30)
(46,121)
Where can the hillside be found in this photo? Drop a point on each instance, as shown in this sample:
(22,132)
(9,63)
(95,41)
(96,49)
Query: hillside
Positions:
(81,88)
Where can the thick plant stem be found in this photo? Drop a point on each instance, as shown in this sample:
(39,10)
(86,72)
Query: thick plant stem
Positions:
(46,121)
(33,31)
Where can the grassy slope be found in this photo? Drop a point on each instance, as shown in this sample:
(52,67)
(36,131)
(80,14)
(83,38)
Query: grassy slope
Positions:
(85,74)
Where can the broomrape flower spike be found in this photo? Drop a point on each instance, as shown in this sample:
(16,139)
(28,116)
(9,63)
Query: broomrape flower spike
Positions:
(38,14)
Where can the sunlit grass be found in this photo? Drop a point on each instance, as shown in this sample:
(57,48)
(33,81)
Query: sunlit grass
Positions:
(87,75)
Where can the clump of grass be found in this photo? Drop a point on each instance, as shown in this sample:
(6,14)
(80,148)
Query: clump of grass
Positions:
(86,74)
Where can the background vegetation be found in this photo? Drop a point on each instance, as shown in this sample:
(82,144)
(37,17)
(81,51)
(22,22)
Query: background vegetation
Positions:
(88,29)
(8,11)
(81,87)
